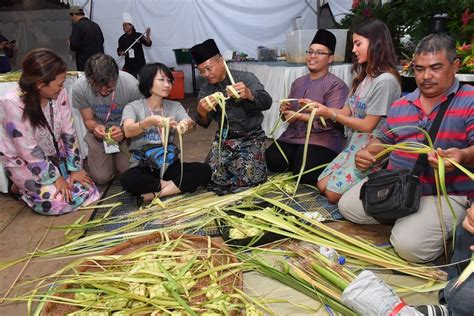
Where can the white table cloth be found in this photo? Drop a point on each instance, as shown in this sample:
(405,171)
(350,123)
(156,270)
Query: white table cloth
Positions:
(277,79)
(78,124)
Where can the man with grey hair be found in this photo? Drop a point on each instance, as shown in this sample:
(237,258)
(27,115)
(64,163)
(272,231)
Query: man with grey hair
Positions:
(100,96)
(420,237)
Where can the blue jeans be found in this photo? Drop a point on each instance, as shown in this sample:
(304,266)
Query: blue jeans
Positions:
(461,299)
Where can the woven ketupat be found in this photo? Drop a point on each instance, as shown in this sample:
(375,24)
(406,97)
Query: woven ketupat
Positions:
(203,248)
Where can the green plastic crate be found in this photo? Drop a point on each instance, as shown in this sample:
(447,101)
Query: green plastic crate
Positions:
(183,56)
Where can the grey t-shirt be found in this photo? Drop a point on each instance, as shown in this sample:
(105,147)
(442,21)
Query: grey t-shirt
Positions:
(374,96)
(138,111)
(125,92)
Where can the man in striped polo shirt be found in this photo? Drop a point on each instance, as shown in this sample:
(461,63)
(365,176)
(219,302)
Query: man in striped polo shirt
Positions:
(419,236)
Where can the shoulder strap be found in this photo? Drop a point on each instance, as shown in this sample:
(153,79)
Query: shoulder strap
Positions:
(433,131)
(51,128)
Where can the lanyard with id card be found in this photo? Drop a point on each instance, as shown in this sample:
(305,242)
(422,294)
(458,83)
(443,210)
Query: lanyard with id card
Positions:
(110,145)
(57,160)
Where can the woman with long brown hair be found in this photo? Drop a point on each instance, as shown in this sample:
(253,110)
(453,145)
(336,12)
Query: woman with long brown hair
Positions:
(39,144)
(375,86)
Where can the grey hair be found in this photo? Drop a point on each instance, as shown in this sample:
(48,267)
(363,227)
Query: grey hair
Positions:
(101,69)
(438,42)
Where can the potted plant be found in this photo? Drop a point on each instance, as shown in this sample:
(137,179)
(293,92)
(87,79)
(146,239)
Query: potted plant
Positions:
(410,20)
(454,17)
(366,9)
(422,16)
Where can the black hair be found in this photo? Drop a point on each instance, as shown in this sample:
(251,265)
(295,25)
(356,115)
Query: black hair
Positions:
(437,42)
(381,55)
(38,66)
(147,76)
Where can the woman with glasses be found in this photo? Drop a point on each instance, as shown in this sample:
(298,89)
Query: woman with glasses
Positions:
(152,173)
(375,86)
(39,144)
(325,142)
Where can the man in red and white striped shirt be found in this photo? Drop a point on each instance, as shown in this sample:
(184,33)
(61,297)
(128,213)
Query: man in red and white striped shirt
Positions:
(419,237)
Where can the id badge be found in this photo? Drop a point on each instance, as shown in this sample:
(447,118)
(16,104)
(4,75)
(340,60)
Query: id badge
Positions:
(111,148)
(63,170)
(131,53)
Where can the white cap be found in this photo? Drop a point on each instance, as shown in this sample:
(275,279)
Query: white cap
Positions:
(127,18)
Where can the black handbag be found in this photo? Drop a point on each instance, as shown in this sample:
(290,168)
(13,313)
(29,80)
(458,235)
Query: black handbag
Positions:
(391,194)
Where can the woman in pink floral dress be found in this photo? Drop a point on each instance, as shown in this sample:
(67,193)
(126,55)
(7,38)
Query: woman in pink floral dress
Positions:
(39,143)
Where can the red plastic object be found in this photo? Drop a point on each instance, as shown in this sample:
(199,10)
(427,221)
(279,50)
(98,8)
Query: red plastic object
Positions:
(177,92)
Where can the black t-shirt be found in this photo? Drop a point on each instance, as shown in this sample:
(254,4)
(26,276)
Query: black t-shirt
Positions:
(86,40)
(132,65)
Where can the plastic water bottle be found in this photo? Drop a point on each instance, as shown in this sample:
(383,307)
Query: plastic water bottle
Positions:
(332,255)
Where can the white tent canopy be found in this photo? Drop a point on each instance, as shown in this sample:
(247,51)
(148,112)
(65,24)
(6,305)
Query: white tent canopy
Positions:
(235,25)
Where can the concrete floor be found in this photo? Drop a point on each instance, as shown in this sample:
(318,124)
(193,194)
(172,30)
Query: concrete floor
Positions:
(22,230)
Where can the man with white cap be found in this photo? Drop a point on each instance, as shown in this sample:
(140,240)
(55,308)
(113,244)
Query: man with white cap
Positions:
(237,161)
(86,37)
(133,41)
(325,142)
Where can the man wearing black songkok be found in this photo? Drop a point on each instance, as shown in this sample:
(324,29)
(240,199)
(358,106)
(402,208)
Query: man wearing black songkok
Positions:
(239,162)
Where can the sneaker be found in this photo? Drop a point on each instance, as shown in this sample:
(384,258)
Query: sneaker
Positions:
(433,310)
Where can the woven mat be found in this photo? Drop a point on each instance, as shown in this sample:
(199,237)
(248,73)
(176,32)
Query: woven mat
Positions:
(129,204)
(308,200)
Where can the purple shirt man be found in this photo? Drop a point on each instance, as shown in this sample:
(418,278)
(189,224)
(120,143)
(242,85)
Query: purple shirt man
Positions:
(325,142)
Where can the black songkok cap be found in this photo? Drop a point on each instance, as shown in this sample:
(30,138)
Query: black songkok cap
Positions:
(326,38)
(204,51)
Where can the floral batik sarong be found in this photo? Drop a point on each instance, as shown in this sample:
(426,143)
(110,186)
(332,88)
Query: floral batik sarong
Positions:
(239,164)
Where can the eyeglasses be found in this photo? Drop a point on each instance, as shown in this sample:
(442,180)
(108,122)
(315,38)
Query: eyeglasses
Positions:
(163,80)
(106,90)
(103,89)
(208,68)
(318,53)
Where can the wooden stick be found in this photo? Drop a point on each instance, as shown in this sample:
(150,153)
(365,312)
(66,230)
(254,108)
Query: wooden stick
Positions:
(228,73)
